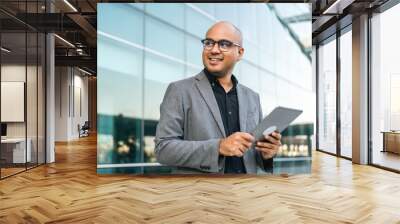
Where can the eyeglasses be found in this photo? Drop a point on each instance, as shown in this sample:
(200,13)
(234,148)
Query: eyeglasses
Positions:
(223,45)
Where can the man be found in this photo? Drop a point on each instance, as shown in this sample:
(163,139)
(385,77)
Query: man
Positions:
(206,119)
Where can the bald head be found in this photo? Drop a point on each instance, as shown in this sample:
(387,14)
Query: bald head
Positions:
(221,62)
(224,26)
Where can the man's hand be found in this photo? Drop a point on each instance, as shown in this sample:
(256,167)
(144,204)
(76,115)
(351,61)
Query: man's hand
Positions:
(270,145)
(236,144)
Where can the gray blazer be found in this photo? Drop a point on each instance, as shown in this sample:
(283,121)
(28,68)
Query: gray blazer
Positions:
(191,127)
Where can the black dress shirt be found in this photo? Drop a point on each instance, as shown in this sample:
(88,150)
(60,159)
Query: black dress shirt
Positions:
(229,109)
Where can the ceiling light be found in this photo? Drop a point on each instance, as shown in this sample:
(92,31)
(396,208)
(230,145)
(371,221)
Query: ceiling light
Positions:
(5,50)
(71,6)
(64,40)
(333,6)
(338,6)
(84,71)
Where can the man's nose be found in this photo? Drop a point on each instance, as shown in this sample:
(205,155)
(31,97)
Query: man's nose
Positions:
(215,49)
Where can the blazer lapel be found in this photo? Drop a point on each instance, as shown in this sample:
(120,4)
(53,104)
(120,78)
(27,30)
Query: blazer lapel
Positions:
(207,93)
(243,106)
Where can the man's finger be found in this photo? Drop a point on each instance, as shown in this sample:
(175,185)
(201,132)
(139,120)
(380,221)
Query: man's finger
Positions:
(242,148)
(276,135)
(245,144)
(265,145)
(266,150)
(246,136)
(273,140)
(248,144)
(238,153)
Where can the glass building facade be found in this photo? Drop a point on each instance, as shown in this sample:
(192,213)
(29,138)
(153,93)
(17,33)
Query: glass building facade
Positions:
(346,93)
(327,96)
(349,72)
(385,90)
(334,65)
(22,77)
(144,47)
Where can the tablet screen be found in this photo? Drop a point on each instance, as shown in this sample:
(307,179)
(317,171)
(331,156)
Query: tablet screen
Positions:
(278,120)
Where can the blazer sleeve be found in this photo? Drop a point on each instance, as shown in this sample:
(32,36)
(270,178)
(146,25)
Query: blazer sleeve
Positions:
(265,164)
(171,148)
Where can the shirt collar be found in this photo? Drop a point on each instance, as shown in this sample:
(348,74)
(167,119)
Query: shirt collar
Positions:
(213,79)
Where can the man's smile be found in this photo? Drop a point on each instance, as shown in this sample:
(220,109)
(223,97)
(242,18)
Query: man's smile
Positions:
(215,60)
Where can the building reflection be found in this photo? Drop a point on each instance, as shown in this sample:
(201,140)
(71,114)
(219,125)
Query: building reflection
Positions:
(120,142)
(136,65)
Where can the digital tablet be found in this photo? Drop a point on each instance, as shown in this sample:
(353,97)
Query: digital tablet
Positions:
(278,120)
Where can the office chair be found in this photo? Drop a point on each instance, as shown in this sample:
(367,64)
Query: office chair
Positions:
(84,130)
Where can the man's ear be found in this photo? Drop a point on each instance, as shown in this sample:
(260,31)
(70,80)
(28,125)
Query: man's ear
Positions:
(240,52)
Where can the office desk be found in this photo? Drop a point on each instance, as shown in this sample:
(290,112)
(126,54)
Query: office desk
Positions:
(13,150)
(391,141)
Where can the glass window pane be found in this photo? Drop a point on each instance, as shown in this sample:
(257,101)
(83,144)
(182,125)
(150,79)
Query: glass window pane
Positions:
(169,12)
(268,96)
(197,24)
(120,109)
(346,94)
(159,72)
(327,97)
(194,50)
(171,42)
(227,12)
(41,99)
(248,76)
(31,101)
(385,87)
(121,20)
(14,150)
(251,52)
(207,8)
(139,6)
(248,15)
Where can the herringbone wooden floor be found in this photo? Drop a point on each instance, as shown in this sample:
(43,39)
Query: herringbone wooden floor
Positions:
(70,191)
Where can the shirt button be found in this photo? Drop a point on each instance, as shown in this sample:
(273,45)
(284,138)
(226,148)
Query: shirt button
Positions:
(229,113)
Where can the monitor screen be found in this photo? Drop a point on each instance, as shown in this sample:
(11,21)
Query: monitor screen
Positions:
(3,129)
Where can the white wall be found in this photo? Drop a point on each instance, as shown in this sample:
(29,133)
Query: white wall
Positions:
(71,94)
(9,73)
(12,73)
(80,110)
(33,126)
(61,103)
